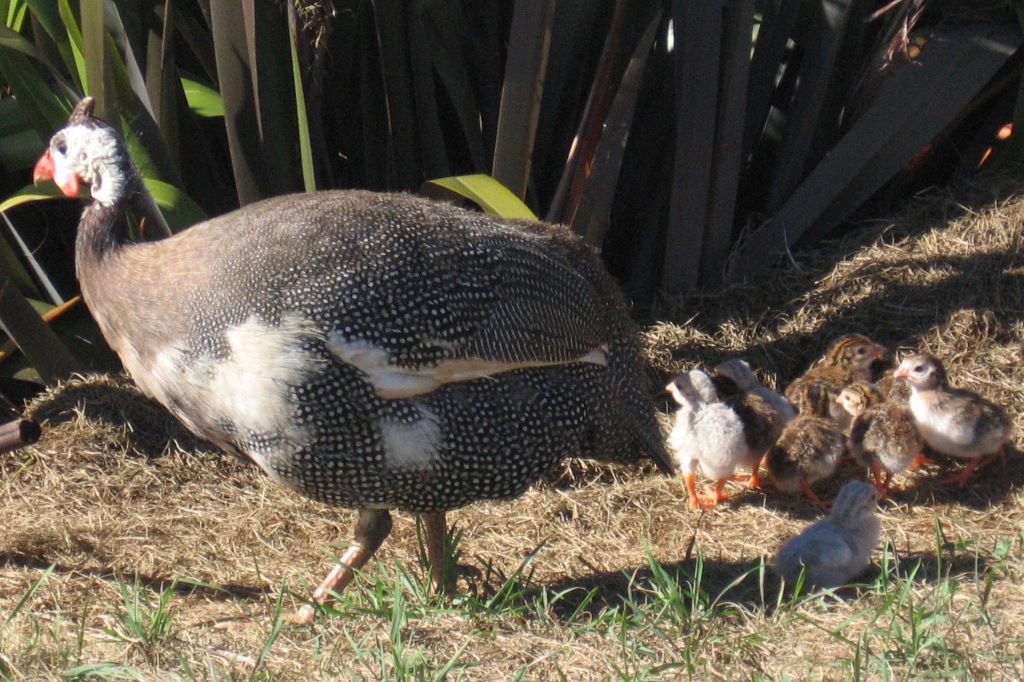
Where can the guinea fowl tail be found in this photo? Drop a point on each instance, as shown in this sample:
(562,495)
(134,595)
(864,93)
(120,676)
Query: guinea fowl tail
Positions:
(637,410)
(653,444)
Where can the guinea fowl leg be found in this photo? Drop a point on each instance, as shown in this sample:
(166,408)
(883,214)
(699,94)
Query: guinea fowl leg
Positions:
(805,488)
(436,532)
(876,471)
(372,527)
(691,490)
(920,460)
(964,476)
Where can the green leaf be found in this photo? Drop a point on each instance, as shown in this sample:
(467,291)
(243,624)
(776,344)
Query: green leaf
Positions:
(75,41)
(202,99)
(43,108)
(177,207)
(483,190)
(301,120)
(32,193)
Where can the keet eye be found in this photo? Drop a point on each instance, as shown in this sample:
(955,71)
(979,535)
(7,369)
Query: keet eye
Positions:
(61,146)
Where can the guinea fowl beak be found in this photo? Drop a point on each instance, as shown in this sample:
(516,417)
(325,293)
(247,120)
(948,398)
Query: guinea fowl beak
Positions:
(900,374)
(46,170)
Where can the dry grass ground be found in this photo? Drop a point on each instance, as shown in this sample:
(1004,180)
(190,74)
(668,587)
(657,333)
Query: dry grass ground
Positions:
(127,549)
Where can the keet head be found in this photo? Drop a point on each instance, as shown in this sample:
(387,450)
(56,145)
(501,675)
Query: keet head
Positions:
(692,388)
(739,371)
(86,152)
(855,502)
(923,372)
(859,396)
(854,352)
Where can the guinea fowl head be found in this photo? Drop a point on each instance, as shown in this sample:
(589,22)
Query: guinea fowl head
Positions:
(923,372)
(739,371)
(853,352)
(858,397)
(855,503)
(692,389)
(87,152)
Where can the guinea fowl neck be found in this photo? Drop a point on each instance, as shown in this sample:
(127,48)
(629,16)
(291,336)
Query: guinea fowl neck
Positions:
(102,229)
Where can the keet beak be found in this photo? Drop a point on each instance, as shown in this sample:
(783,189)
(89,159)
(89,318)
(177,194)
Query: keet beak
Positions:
(900,373)
(46,170)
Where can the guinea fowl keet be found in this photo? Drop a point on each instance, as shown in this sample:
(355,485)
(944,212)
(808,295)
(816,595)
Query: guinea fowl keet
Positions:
(762,423)
(953,421)
(372,351)
(882,434)
(707,436)
(808,449)
(848,359)
(833,551)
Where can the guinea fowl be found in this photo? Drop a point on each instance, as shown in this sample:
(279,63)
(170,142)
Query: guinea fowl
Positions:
(848,359)
(833,551)
(740,372)
(808,450)
(707,436)
(372,351)
(953,421)
(882,434)
(762,423)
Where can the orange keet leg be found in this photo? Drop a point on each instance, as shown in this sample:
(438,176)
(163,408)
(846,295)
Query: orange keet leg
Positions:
(920,460)
(755,481)
(881,487)
(707,501)
(965,474)
(372,527)
(805,488)
(691,489)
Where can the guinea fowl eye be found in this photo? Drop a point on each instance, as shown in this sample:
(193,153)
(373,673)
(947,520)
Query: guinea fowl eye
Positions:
(61,146)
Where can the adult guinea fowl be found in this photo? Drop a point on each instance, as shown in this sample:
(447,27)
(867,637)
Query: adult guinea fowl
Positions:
(373,351)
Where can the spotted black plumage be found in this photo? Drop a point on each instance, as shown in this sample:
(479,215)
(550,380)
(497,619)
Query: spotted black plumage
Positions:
(299,330)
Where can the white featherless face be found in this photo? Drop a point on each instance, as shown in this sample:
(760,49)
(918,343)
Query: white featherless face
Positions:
(92,154)
(920,372)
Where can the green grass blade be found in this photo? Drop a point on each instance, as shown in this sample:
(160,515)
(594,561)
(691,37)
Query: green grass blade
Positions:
(484,191)
(301,120)
(202,99)
(28,594)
